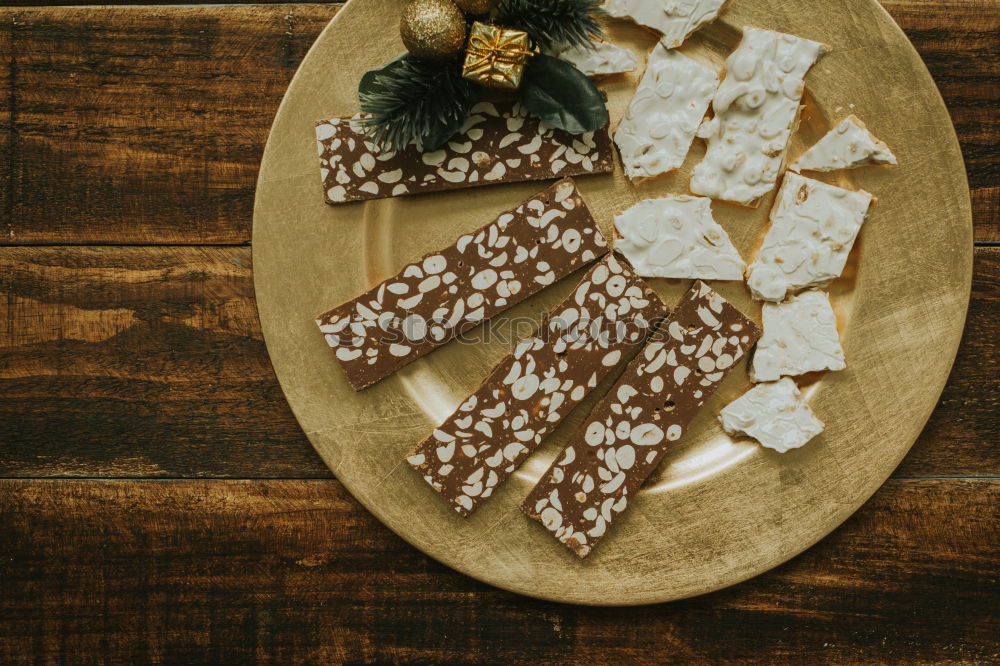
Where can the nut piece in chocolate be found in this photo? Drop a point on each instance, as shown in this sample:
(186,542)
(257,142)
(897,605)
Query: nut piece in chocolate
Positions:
(499,143)
(449,292)
(608,315)
(626,436)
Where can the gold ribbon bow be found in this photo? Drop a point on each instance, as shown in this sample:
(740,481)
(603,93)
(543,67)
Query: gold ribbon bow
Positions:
(496,56)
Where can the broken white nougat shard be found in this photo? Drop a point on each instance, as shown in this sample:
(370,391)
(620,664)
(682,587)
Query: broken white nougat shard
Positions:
(813,228)
(800,336)
(756,110)
(774,414)
(847,146)
(597,59)
(676,19)
(670,102)
(677,237)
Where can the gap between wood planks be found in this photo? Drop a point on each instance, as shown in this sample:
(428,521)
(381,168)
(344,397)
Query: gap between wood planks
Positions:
(174,479)
(121,571)
(109,146)
(149,362)
(173,199)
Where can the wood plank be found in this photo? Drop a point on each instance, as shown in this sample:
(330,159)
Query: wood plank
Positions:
(959,41)
(105,144)
(139,362)
(968,415)
(149,362)
(296,571)
(142,125)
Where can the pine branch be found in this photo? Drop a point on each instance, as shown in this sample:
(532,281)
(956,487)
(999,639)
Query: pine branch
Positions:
(415,101)
(552,22)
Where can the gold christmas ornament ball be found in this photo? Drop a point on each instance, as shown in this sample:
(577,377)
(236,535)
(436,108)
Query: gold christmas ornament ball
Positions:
(432,29)
(476,6)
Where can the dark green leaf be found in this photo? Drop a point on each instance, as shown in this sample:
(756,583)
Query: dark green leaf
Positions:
(439,132)
(369,82)
(561,95)
(413,100)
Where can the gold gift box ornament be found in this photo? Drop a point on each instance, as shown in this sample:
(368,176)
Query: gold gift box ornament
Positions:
(495,56)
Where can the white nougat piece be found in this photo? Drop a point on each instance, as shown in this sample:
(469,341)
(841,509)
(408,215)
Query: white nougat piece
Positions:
(599,59)
(677,237)
(800,336)
(847,146)
(756,110)
(676,19)
(813,228)
(774,414)
(670,102)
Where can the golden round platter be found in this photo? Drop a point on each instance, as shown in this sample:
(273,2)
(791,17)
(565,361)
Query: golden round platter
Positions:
(719,510)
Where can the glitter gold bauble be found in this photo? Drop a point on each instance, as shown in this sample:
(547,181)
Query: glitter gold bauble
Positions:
(432,29)
(476,6)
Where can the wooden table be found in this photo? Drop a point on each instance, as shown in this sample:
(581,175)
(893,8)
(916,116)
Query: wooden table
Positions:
(158,501)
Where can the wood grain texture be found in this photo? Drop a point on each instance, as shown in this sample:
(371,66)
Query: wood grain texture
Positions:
(149,362)
(142,125)
(139,362)
(146,125)
(279,571)
(959,41)
(968,413)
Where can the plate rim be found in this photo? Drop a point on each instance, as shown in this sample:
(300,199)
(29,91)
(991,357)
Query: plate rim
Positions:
(967,221)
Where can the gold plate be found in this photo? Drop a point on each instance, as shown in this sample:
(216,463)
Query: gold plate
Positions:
(718,511)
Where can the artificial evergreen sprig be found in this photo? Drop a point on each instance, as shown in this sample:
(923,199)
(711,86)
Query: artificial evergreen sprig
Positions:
(425,102)
(554,22)
(415,101)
